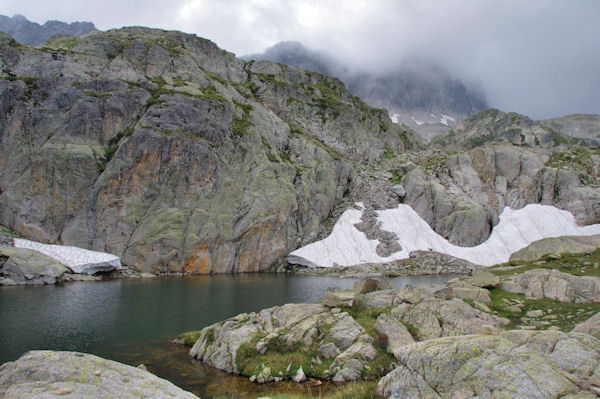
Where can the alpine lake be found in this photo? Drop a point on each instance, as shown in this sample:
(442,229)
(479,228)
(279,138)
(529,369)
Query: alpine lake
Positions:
(134,321)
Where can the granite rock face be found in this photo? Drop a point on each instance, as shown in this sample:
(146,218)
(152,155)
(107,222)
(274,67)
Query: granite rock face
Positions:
(45,374)
(320,333)
(591,326)
(26,267)
(557,246)
(545,283)
(493,159)
(174,155)
(511,364)
(329,342)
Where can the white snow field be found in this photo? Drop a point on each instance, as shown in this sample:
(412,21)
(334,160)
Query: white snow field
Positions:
(79,260)
(346,246)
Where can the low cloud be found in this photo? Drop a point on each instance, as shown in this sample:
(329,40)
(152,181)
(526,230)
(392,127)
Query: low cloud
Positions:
(536,57)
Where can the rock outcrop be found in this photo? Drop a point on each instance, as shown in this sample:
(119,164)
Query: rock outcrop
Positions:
(421,95)
(513,364)
(328,342)
(323,342)
(557,246)
(44,374)
(174,155)
(591,326)
(26,267)
(553,284)
(78,260)
(492,160)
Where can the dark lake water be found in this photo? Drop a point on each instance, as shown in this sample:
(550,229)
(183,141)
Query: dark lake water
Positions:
(134,320)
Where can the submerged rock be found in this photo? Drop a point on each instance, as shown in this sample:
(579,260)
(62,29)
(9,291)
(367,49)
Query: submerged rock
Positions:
(44,374)
(512,364)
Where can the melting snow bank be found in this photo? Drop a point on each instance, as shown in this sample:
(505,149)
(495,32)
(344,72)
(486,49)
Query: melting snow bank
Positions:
(79,260)
(346,246)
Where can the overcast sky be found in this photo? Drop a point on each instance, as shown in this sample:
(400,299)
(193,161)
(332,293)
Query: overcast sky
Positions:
(536,57)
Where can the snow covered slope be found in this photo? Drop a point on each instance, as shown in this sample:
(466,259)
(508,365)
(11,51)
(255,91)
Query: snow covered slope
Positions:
(346,246)
(79,260)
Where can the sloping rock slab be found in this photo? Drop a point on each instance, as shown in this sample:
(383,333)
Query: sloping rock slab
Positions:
(558,245)
(24,266)
(545,283)
(313,329)
(590,326)
(513,364)
(50,374)
(79,260)
(433,318)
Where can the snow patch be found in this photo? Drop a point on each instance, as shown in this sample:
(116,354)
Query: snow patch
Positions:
(416,121)
(395,118)
(346,246)
(79,260)
(445,119)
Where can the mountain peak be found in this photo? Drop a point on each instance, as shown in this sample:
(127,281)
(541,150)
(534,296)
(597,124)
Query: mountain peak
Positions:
(34,34)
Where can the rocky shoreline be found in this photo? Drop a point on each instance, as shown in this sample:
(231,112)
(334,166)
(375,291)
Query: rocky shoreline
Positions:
(502,331)
(419,263)
(46,374)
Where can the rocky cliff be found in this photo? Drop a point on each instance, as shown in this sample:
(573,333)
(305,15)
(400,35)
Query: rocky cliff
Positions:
(171,153)
(462,182)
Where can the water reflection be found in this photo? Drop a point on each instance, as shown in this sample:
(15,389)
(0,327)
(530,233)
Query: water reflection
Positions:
(133,321)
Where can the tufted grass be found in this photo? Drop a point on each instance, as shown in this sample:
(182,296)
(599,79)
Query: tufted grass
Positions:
(575,264)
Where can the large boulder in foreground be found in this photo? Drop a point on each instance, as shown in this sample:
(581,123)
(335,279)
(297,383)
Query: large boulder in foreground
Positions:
(341,344)
(49,374)
(277,342)
(513,364)
(21,266)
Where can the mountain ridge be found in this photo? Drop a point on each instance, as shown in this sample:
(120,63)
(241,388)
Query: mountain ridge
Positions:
(176,156)
(417,93)
(32,33)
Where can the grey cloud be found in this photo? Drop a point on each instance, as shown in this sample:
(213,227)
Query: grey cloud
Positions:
(535,57)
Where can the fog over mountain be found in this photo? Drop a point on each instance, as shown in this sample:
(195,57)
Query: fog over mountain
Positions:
(418,93)
(537,57)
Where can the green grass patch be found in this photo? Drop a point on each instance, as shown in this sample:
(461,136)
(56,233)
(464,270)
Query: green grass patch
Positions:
(577,159)
(6,232)
(102,96)
(270,79)
(564,315)
(575,264)
(397,175)
(382,364)
(239,126)
(278,356)
(158,80)
(189,338)
(210,94)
